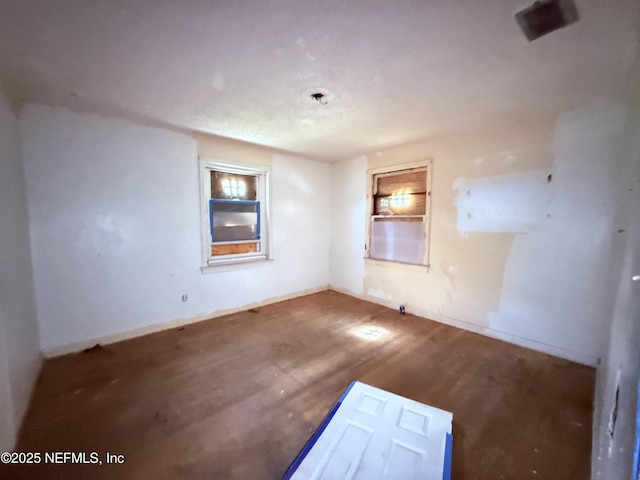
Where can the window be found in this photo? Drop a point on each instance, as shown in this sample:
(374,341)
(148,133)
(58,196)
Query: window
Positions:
(234,212)
(399,214)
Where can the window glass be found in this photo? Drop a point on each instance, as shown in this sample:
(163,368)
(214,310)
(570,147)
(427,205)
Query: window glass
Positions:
(399,223)
(234,212)
(232,185)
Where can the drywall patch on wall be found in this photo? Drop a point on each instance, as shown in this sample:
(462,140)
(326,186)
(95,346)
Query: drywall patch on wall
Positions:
(515,203)
(379,293)
(475,281)
(413,286)
(525,287)
(552,290)
(464,279)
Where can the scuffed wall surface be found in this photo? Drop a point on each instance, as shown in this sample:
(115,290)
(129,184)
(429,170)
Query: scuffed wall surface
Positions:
(19,339)
(520,231)
(464,280)
(115,220)
(516,203)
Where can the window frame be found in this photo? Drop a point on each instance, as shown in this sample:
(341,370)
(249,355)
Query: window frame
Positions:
(262,174)
(389,170)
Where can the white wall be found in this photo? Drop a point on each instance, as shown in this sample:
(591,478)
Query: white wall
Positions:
(552,286)
(348,212)
(115,228)
(19,342)
(512,255)
(620,369)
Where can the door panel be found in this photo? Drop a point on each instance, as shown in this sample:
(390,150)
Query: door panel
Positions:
(376,434)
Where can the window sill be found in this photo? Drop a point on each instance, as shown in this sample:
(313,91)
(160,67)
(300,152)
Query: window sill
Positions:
(234,264)
(397,265)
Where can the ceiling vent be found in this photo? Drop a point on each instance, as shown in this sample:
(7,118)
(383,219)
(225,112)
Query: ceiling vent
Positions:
(545,16)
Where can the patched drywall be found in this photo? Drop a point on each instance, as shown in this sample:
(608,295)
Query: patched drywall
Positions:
(19,339)
(464,278)
(520,231)
(552,289)
(515,203)
(115,221)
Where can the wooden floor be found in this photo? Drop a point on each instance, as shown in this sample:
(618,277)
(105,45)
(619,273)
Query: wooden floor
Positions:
(237,397)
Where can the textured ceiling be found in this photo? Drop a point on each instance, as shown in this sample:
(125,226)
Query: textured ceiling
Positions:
(392,71)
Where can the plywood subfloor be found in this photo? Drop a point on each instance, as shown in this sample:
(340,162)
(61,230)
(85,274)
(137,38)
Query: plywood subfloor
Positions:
(236,397)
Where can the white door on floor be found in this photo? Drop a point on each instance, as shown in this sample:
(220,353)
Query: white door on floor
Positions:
(375,434)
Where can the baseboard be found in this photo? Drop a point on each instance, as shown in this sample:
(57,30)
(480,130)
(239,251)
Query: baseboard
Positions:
(548,349)
(179,322)
(554,350)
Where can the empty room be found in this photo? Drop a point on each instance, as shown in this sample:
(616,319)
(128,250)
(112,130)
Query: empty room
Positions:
(320,239)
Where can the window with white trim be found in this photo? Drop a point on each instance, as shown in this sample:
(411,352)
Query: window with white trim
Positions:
(399,210)
(234,211)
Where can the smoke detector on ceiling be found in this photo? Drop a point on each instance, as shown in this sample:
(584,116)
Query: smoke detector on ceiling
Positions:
(546,16)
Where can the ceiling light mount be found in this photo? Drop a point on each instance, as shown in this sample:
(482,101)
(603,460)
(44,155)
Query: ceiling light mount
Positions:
(319,97)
